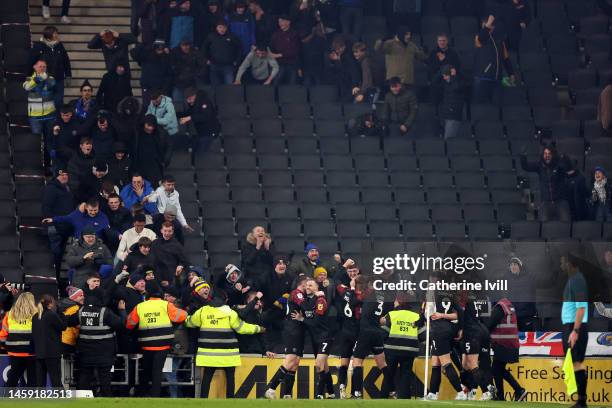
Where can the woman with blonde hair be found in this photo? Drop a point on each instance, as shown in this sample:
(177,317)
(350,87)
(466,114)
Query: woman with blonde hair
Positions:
(16,336)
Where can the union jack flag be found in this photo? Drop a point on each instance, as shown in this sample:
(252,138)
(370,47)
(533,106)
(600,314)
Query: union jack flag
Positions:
(541,343)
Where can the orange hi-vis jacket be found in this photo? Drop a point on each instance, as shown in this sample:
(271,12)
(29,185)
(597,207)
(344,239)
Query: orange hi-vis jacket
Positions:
(154,319)
(16,336)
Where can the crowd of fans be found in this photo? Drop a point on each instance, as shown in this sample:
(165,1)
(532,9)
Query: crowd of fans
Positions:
(113,212)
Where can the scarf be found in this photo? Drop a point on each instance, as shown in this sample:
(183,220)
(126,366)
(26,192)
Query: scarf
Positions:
(599,190)
(82,109)
(49,43)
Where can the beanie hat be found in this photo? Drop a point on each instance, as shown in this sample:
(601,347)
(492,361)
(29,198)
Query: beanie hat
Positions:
(188,92)
(153,289)
(100,165)
(60,171)
(517,261)
(310,247)
(119,147)
(278,258)
(200,284)
(231,268)
(318,271)
(88,230)
(150,120)
(134,278)
(172,291)
(74,292)
(599,168)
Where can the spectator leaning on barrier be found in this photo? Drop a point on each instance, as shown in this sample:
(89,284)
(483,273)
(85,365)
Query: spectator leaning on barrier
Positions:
(40,87)
(51,49)
(401,105)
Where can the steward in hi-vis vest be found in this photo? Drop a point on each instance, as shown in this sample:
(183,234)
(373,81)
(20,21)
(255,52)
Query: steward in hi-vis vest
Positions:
(96,345)
(404,325)
(217,341)
(154,318)
(16,338)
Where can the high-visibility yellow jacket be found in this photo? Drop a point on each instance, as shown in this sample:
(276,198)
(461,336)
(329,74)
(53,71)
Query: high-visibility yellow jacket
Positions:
(403,332)
(217,342)
(16,335)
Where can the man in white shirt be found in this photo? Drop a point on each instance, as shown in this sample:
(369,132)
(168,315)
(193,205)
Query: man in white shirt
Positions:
(132,235)
(166,195)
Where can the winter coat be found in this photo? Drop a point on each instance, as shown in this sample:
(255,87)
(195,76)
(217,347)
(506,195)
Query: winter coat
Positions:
(287,43)
(159,219)
(136,259)
(82,267)
(256,262)
(491,56)
(434,64)
(453,97)
(80,220)
(103,142)
(54,53)
(243,27)
(129,197)
(119,170)
(273,285)
(203,114)
(41,92)
(47,334)
(399,59)
(156,69)
(168,255)
(165,115)
(112,90)
(149,156)
(67,141)
(57,199)
(79,167)
(552,177)
(401,108)
(116,54)
(120,220)
(187,67)
(223,50)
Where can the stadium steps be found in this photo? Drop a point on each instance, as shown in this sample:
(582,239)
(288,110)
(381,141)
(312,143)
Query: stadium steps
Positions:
(88,17)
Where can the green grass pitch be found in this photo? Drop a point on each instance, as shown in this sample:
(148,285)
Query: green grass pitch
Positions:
(261,403)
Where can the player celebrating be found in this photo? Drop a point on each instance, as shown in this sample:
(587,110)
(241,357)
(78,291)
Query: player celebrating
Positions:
(350,313)
(293,336)
(444,328)
(371,336)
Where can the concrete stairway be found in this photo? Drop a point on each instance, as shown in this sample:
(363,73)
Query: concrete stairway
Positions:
(88,17)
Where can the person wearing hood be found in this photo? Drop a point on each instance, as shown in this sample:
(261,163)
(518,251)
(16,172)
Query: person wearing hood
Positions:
(133,236)
(88,254)
(119,165)
(162,108)
(128,121)
(170,259)
(200,114)
(552,174)
(400,55)
(401,105)
(84,215)
(257,253)
(242,24)
(103,137)
(65,136)
(232,285)
(51,49)
(85,106)
(47,328)
(264,23)
(96,345)
(223,51)
(521,287)
(156,68)
(154,320)
(68,307)
(120,219)
(92,182)
(491,59)
(139,255)
(189,68)
(114,48)
(114,87)
(81,163)
(601,196)
(138,191)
